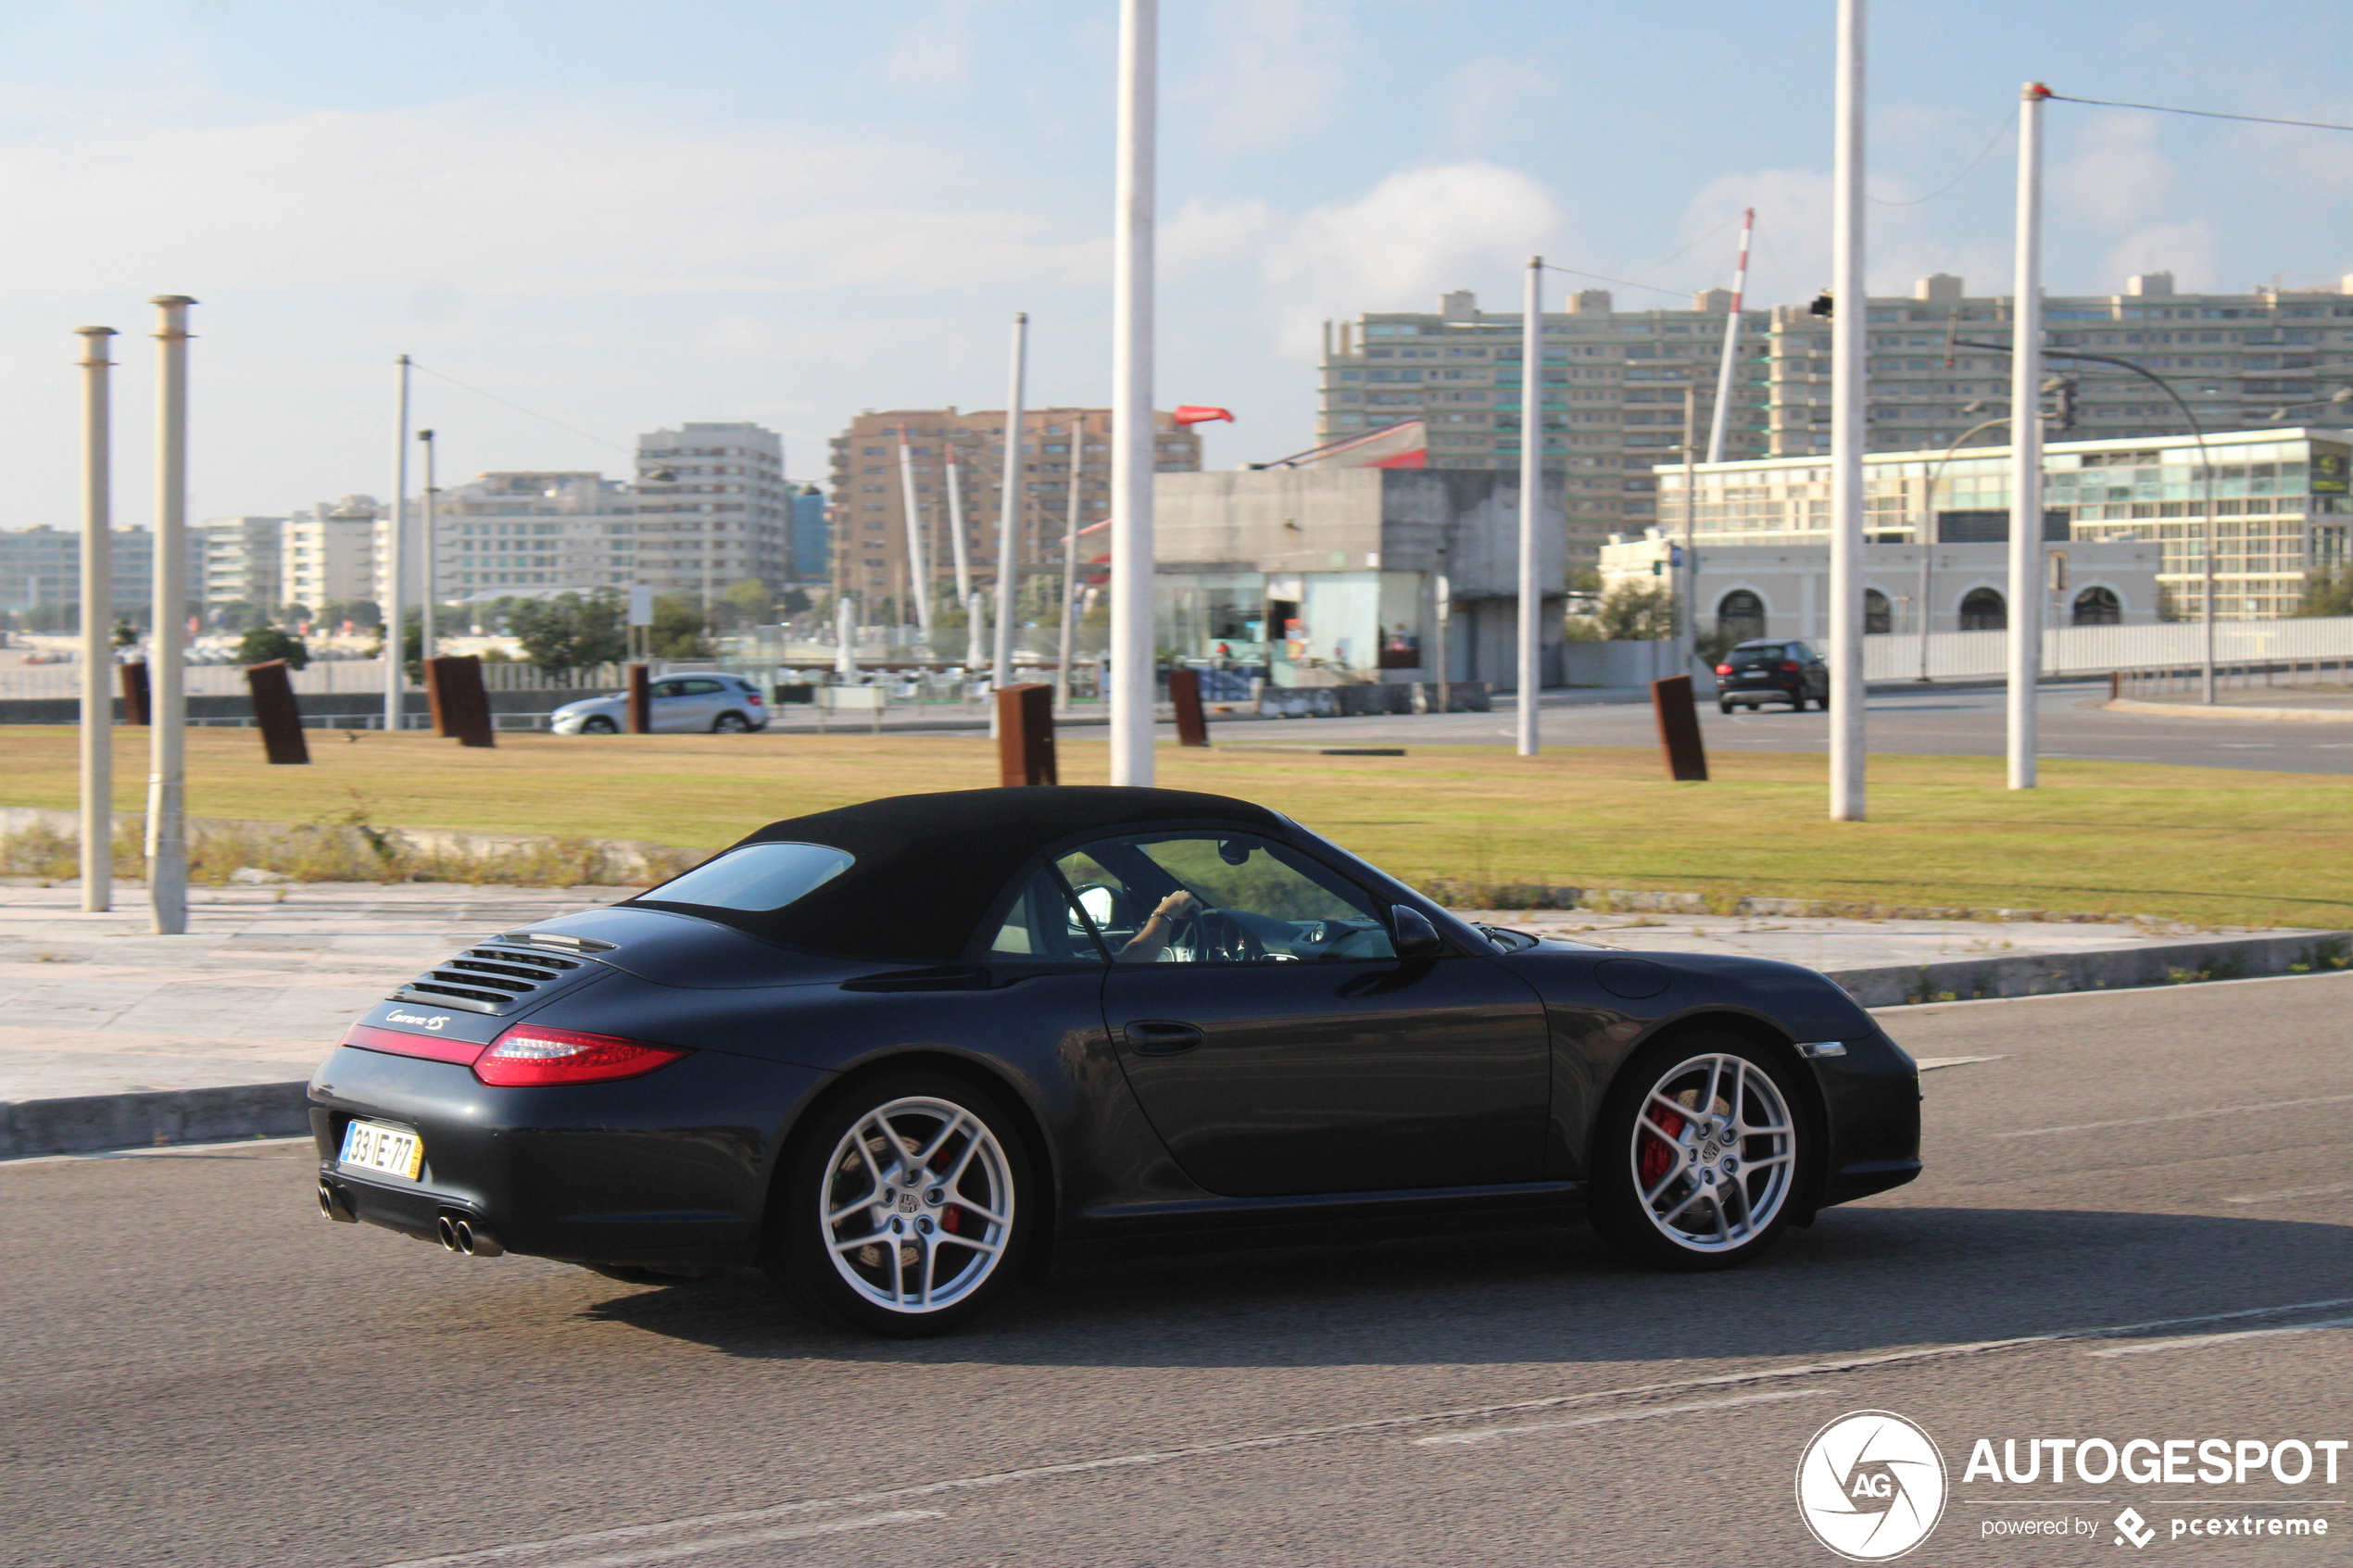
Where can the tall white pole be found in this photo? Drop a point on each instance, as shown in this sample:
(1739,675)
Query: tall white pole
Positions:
(2026,444)
(956,525)
(845,635)
(1731,342)
(1133,435)
(918,567)
(1070,567)
(1850,328)
(388,592)
(1000,663)
(167,662)
(425,638)
(97,625)
(1532,492)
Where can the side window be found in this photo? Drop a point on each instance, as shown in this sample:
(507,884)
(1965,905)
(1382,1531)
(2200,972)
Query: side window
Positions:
(1041,927)
(1192,897)
(699,688)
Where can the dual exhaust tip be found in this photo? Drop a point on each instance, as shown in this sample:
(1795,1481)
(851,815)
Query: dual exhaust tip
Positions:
(459,1234)
(456,1230)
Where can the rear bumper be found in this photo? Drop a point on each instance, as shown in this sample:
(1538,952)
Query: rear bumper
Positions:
(671,1169)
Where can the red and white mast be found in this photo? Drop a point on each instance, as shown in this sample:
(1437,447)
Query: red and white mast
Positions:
(1732,344)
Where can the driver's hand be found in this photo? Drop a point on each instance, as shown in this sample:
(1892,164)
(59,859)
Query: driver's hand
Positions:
(1178,906)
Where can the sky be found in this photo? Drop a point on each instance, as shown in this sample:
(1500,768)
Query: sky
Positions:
(588,220)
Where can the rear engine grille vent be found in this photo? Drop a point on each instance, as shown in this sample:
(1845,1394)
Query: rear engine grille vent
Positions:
(490,979)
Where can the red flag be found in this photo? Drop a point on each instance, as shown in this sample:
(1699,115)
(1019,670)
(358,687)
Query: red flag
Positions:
(1195,413)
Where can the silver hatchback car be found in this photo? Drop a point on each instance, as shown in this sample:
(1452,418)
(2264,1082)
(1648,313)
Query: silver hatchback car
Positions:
(697,703)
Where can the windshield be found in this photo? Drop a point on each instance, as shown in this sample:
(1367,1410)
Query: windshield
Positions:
(763,877)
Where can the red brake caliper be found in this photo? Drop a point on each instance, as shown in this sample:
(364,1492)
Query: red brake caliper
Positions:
(1658,1150)
(951,1219)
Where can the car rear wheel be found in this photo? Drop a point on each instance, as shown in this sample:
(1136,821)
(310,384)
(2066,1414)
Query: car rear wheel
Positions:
(1723,704)
(598,724)
(730,724)
(1703,1146)
(906,1208)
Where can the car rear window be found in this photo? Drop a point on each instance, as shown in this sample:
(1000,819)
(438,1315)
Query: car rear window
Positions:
(757,877)
(1772,654)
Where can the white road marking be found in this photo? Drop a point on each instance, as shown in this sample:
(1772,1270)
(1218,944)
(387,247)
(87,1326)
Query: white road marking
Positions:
(1346,1429)
(1931,1063)
(2196,1341)
(2291,1192)
(757,1538)
(1490,1434)
(2179,1116)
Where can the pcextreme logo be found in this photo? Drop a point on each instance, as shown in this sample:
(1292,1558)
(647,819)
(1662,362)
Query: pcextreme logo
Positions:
(1870,1486)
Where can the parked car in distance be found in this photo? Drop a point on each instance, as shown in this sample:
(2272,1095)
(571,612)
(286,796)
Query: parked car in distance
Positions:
(728,704)
(1772,669)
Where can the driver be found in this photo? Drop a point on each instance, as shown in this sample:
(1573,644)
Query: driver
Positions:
(1152,938)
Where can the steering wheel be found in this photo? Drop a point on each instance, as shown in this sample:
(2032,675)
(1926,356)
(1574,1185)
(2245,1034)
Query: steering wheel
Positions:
(1218,937)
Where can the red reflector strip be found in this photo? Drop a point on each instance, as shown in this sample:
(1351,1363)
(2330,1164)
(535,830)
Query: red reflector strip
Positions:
(399,1042)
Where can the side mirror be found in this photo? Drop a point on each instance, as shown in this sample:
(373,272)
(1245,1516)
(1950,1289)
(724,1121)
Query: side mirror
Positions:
(1417,938)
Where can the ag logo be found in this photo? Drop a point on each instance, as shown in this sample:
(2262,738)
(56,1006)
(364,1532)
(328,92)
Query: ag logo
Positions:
(1870,1486)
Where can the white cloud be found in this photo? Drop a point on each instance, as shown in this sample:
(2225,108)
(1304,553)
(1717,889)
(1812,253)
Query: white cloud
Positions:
(1792,256)
(2190,250)
(1278,70)
(933,57)
(2119,177)
(1486,101)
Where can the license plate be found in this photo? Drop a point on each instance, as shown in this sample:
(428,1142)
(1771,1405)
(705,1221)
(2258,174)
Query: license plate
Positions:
(395,1151)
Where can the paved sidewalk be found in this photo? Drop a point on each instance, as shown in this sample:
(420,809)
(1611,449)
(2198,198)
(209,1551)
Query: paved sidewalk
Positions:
(111,1036)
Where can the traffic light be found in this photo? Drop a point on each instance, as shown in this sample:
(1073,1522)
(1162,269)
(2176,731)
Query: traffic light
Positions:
(2062,393)
(1823,305)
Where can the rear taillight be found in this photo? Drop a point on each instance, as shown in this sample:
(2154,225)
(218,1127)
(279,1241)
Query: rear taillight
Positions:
(752,697)
(1723,669)
(1789,668)
(529,1055)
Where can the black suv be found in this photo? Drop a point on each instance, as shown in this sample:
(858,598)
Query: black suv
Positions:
(1772,669)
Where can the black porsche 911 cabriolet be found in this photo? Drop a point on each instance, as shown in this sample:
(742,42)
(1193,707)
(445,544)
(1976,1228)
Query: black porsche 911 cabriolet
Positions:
(899,1052)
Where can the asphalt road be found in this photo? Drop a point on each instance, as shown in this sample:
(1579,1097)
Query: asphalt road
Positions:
(196,1369)
(1941,722)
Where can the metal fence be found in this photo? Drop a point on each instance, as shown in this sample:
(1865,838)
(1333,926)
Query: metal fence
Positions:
(2097,649)
(2286,674)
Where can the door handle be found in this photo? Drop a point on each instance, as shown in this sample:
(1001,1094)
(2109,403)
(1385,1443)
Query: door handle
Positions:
(1163,1037)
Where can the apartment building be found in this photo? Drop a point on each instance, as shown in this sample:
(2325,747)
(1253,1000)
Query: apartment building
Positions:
(713,507)
(41,568)
(1614,380)
(329,554)
(237,559)
(534,532)
(1066,453)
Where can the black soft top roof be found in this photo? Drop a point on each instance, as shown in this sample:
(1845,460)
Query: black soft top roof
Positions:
(930,865)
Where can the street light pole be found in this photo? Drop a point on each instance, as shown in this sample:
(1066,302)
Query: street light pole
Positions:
(2026,446)
(1924,532)
(1000,664)
(396,543)
(1070,567)
(425,638)
(1686,579)
(1531,487)
(97,623)
(1134,436)
(1850,328)
(167,662)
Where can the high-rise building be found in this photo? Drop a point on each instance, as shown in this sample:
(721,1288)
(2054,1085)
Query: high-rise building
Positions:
(713,507)
(532,534)
(812,538)
(1062,447)
(330,554)
(1614,380)
(235,560)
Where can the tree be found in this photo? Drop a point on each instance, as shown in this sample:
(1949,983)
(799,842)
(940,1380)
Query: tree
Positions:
(748,602)
(2327,595)
(126,635)
(261,644)
(570,632)
(677,629)
(795,602)
(366,614)
(240,615)
(1639,615)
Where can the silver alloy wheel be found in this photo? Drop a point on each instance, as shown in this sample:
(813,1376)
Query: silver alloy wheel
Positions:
(1714,1153)
(917,1205)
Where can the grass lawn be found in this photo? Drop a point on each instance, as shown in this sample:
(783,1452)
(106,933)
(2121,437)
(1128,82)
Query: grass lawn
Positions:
(2207,845)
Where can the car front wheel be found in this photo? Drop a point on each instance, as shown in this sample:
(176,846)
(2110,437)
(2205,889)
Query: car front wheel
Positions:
(1702,1147)
(906,1208)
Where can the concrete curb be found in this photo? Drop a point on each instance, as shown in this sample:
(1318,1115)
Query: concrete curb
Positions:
(90,1123)
(2106,969)
(2220,711)
(95,1123)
